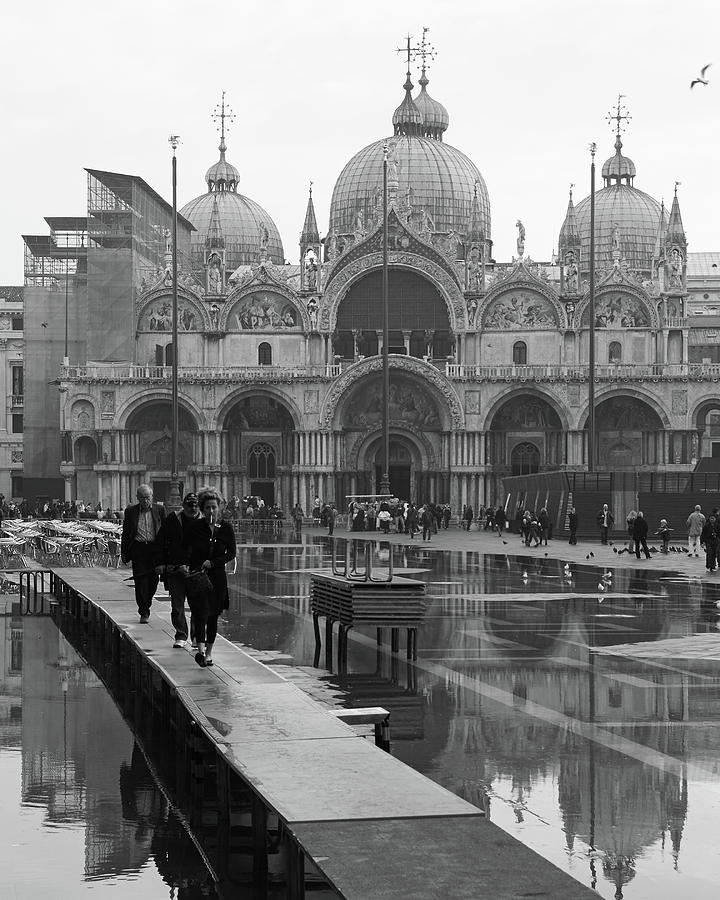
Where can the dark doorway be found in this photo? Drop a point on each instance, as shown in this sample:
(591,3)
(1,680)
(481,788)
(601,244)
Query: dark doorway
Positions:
(264,489)
(399,470)
(161,491)
(525,459)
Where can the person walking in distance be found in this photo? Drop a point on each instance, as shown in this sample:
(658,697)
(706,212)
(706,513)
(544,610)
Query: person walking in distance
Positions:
(573,526)
(170,562)
(467,517)
(297,517)
(544,523)
(605,520)
(426,520)
(141,523)
(500,521)
(709,540)
(695,524)
(640,531)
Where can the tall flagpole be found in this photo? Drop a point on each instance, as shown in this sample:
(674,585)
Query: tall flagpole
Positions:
(174,500)
(385,478)
(591,354)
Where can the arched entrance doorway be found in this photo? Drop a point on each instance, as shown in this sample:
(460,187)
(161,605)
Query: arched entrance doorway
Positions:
(418,318)
(259,448)
(629,433)
(400,469)
(149,436)
(416,425)
(525,459)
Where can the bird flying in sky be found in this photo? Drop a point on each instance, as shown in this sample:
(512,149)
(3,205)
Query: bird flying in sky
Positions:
(701,79)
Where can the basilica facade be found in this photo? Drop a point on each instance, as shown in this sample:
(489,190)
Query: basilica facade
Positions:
(280,365)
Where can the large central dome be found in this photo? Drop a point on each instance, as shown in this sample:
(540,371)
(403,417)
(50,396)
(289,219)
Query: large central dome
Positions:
(432,176)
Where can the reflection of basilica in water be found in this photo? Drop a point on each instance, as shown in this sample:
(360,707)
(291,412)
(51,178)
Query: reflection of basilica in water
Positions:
(532,703)
(280,364)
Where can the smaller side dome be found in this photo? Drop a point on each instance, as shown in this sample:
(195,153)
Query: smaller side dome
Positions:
(618,169)
(435,117)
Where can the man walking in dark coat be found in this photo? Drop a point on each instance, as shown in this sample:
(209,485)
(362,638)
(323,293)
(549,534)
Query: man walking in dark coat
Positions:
(171,563)
(141,523)
(640,531)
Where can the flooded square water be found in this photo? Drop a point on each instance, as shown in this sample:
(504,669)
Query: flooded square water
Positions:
(577,706)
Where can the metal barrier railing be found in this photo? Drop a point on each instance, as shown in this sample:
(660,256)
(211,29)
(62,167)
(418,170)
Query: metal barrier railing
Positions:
(34,587)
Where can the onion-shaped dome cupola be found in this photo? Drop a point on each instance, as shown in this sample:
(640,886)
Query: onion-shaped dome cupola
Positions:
(407,118)
(618,169)
(440,179)
(434,115)
(248,232)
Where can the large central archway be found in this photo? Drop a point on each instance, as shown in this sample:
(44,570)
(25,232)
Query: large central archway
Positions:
(418,317)
(258,447)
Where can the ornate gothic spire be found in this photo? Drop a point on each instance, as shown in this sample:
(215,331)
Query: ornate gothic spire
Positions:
(310,233)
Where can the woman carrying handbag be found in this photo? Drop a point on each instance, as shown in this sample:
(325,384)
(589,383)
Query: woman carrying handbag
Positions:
(209,545)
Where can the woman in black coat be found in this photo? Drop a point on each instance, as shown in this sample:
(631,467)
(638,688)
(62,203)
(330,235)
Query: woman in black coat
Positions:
(209,544)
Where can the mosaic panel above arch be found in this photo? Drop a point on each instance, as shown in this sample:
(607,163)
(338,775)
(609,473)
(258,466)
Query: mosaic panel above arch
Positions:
(157,316)
(626,414)
(618,309)
(520,309)
(265,310)
(258,413)
(408,402)
(400,366)
(525,413)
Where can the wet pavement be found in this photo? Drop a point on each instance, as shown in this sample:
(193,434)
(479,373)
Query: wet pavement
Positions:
(574,698)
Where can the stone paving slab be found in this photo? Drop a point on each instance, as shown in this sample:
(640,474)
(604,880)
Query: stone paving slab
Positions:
(330,780)
(240,714)
(470,859)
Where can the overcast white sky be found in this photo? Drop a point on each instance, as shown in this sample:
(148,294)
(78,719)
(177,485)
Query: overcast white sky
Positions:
(527,84)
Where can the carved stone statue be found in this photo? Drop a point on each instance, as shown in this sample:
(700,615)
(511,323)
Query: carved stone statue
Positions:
(571,273)
(311,268)
(313,308)
(520,239)
(214,274)
(675,264)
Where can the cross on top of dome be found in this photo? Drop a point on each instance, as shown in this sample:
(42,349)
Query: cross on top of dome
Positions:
(619,115)
(222,112)
(422,116)
(618,169)
(223,176)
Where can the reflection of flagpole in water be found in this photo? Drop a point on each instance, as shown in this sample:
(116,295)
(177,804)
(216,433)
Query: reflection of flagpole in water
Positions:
(591,717)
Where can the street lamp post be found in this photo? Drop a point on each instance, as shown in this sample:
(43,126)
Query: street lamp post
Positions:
(385,477)
(174,499)
(591,349)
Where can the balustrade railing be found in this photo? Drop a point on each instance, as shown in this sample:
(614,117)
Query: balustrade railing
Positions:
(582,373)
(135,373)
(116,372)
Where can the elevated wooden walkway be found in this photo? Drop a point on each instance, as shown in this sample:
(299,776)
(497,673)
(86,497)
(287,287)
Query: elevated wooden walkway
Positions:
(325,803)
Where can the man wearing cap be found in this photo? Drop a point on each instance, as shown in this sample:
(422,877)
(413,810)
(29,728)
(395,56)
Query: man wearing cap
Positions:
(170,562)
(141,523)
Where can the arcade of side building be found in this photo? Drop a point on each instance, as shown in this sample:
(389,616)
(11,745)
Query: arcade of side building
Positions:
(280,364)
